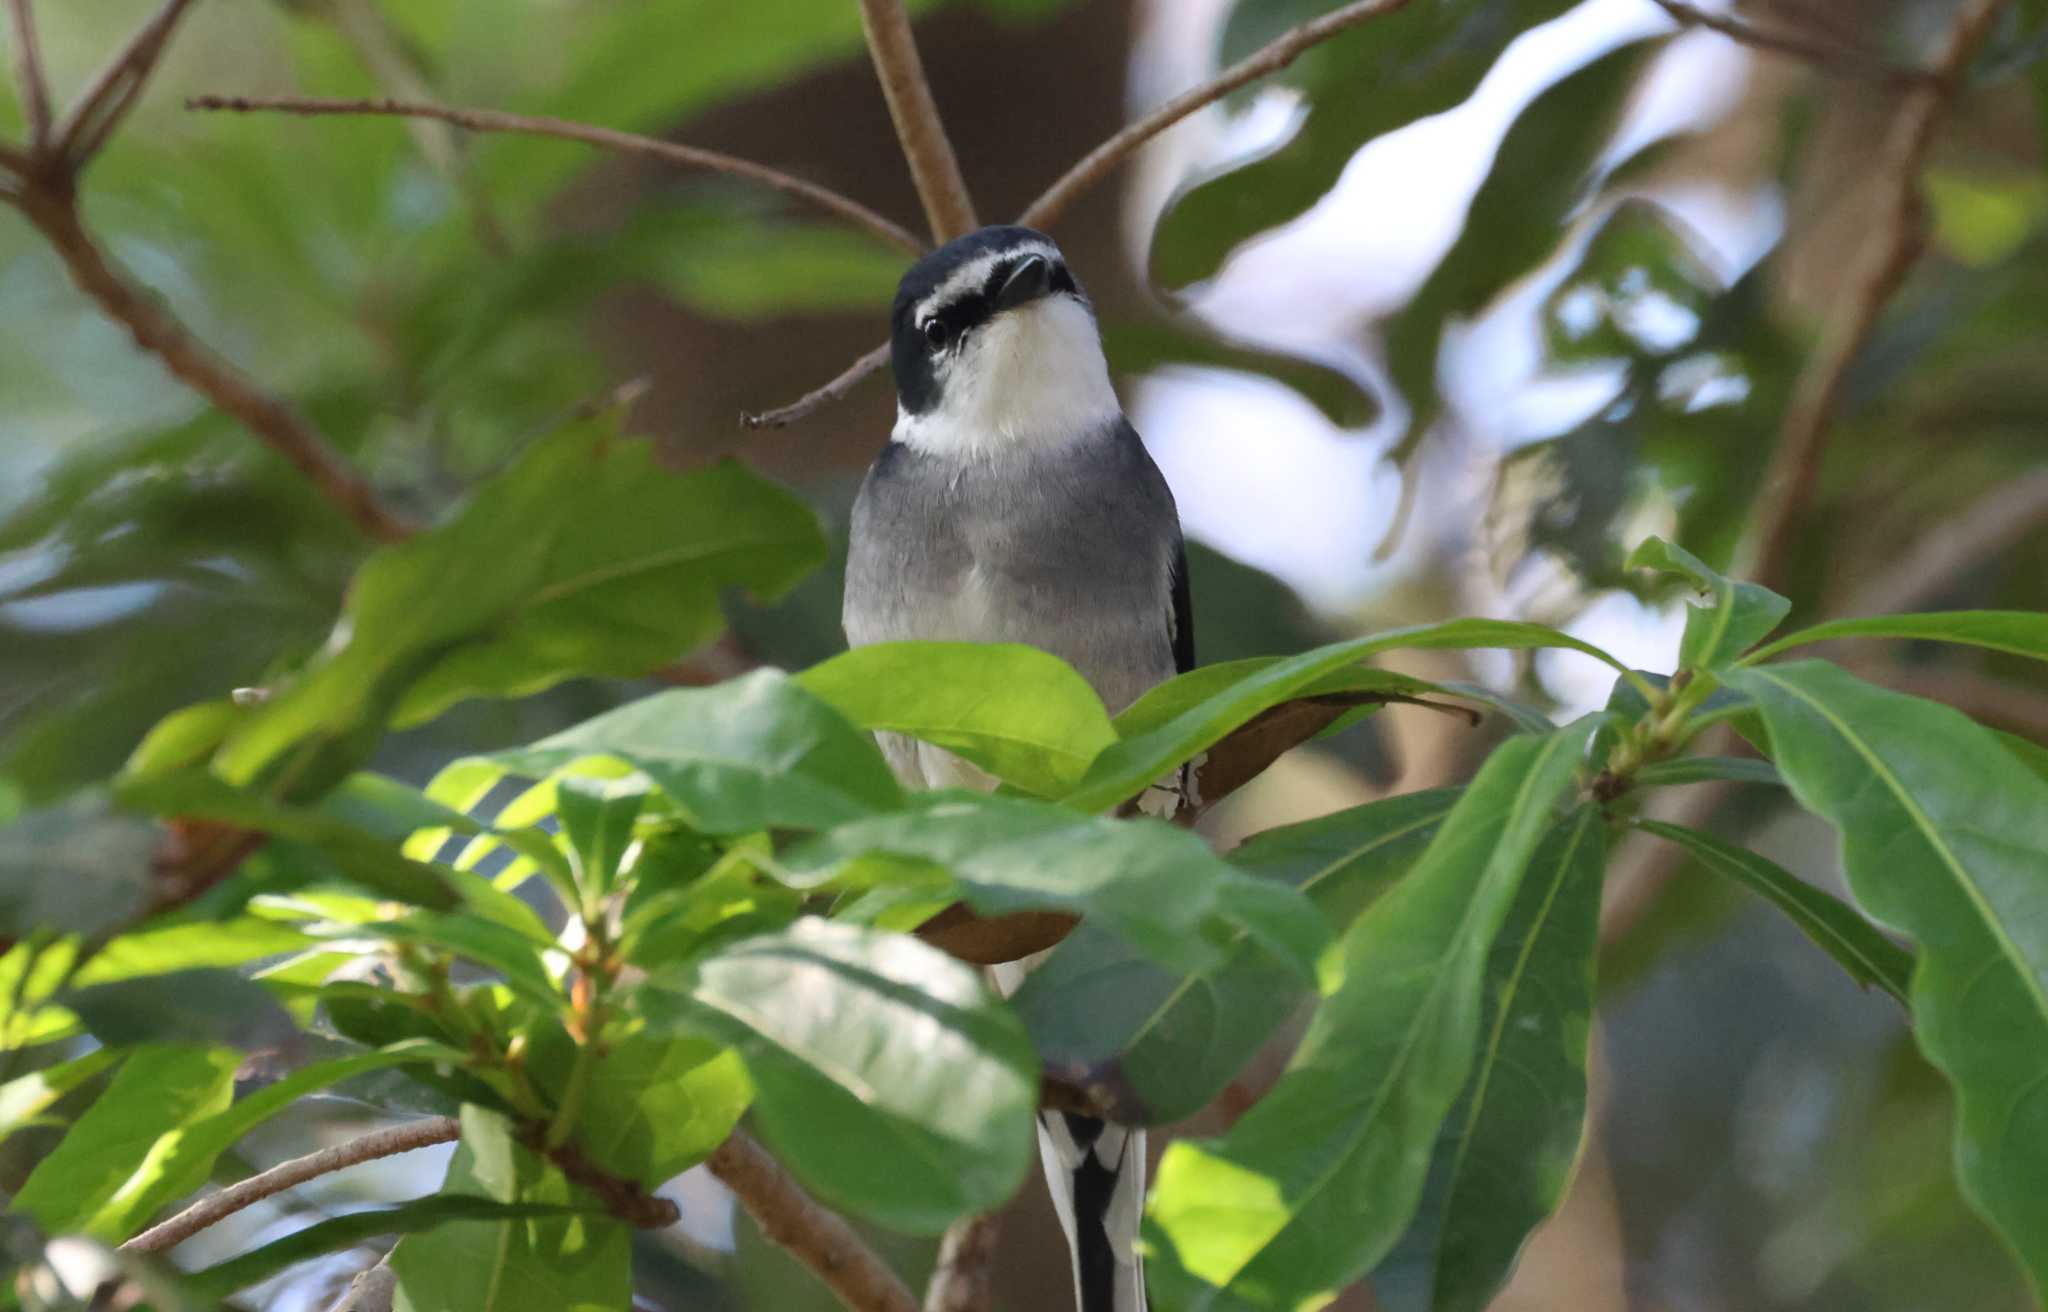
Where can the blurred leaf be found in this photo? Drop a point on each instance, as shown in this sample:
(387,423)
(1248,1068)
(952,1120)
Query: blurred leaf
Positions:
(1312,1186)
(2032,755)
(1700,769)
(2021,632)
(584,557)
(756,752)
(195,945)
(78,866)
(26,1097)
(1400,67)
(1741,616)
(1158,887)
(1018,712)
(655,1105)
(161,1089)
(186,1005)
(1942,837)
(512,955)
(597,818)
(886,1074)
(1508,1148)
(1149,345)
(1164,1045)
(1152,744)
(1868,956)
(578,1263)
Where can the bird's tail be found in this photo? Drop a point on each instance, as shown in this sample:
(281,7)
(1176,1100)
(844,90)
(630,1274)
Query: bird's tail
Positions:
(1096,1172)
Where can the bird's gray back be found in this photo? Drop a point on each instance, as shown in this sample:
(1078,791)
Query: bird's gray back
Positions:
(1070,548)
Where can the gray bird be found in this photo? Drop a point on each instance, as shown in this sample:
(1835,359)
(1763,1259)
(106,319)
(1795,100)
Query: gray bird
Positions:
(1015,503)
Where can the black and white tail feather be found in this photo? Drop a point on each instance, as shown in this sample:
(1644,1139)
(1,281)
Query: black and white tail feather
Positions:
(1095,1171)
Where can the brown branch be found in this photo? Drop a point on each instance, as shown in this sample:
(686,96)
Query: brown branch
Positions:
(16,161)
(114,90)
(32,85)
(1829,58)
(1098,164)
(629,143)
(961,1280)
(289,1175)
(814,1235)
(1887,256)
(933,167)
(1956,545)
(54,212)
(817,399)
(1275,55)
(374,1289)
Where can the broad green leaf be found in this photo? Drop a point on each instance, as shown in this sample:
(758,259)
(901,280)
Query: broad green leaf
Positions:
(511,954)
(584,557)
(1163,702)
(2031,754)
(1020,713)
(196,945)
(1868,956)
(1313,1186)
(577,1263)
(190,1006)
(78,865)
(597,819)
(1741,614)
(161,1089)
(341,1232)
(758,752)
(2021,632)
(1944,838)
(26,1097)
(1156,886)
(1701,769)
(1145,753)
(180,1160)
(1399,67)
(886,1074)
(1166,1044)
(1151,343)
(655,1105)
(1507,1149)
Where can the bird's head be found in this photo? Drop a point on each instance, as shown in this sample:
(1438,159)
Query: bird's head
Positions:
(995,345)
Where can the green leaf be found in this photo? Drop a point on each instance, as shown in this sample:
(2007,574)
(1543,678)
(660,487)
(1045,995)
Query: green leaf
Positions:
(1508,1148)
(758,752)
(161,1089)
(79,866)
(511,954)
(217,1006)
(1157,886)
(579,1263)
(1020,713)
(1398,68)
(886,1074)
(1741,616)
(1944,838)
(340,1232)
(26,1097)
(197,945)
(1701,769)
(1868,956)
(2021,632)
(597,818)
(2031,754)
(1316,1182)
(1150,747)
(654,1105)
(1166,1044)
(584,557)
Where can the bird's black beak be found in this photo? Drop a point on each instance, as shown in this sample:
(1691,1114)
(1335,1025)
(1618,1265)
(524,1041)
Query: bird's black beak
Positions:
(1031,279)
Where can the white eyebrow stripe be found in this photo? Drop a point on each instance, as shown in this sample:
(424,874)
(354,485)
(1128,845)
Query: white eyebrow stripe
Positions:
(975,272)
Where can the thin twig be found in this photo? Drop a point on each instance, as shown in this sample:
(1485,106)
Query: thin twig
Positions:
(933,166)
(961,1279)
(815,1236)
(290,434)
(114,90)
(289,1175)
(1886,258)
(1100,162)
(1829,58)
(32,85)
(1956,545)
(817,399)
(629,143)
(1275,55)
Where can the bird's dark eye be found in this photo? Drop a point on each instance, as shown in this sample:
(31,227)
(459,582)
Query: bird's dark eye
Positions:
(936,332)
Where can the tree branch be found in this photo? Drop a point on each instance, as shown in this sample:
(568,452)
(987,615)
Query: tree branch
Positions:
(629,143)
(1889,254)
(961,1280)
(374,1289)
(54,212)
(817,1237)
(933,167)
(818,398)
(1829,58)
(1275,55)
(289,1175)
(114,90)
(31,84)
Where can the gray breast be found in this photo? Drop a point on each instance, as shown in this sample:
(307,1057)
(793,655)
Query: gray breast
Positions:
(1069,549)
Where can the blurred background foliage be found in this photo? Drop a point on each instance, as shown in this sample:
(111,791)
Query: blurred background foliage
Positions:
(1569,313)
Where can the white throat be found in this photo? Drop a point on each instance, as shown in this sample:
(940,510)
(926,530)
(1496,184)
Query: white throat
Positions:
(1034,375)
